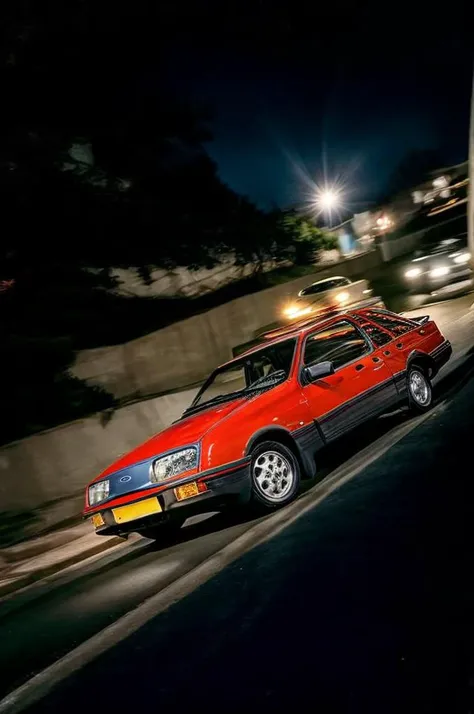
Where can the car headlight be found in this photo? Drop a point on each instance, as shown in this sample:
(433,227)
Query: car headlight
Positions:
(174,464)
(413,273)
(462,258)
(342,297)
(439,272)
(295,311)
(98,492)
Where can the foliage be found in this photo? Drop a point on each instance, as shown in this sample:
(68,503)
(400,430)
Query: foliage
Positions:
(305,239)
(101,167)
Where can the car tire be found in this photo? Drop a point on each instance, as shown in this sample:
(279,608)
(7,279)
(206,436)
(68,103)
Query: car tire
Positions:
(420,391)
(164,532)
(275,475)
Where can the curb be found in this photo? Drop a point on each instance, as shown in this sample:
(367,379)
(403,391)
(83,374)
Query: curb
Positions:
(7,587)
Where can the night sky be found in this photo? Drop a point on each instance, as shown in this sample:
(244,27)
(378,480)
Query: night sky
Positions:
(304,90)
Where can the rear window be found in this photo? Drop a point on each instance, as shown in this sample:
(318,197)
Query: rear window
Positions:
(378,336)
(324,285)
(397,325)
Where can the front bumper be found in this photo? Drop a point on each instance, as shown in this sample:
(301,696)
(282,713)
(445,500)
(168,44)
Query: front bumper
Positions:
(222,490)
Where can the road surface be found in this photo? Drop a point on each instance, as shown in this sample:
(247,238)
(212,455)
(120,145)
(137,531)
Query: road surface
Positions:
(358,605)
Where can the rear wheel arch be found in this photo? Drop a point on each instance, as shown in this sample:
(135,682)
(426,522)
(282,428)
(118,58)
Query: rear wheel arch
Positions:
(423,361)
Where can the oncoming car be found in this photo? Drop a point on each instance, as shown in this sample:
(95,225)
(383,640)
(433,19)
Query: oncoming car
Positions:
(336,292)
(257,425)
(440,264)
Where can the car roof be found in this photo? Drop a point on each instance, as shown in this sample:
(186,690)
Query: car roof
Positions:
(295,330)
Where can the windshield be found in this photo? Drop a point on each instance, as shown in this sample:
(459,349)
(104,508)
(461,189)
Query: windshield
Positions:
(242,374)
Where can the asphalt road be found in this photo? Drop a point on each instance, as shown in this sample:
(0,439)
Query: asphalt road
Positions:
(363,604)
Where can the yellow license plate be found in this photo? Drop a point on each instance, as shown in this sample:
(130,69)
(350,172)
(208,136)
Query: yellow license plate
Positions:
(123,514)
(98,521)
(187,491)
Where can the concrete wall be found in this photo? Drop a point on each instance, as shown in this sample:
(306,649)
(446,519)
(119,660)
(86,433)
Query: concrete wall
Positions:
(46,473)
(184,353)
(401,246)
(183,282)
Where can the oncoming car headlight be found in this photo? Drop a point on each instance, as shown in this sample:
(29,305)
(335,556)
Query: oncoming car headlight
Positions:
(342,297)
(98,492)
(413,273)
(295,311)
(462,258)
(440,271)
(174,464)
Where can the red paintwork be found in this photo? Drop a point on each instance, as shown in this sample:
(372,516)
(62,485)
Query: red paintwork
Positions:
(224,431)
(185,432)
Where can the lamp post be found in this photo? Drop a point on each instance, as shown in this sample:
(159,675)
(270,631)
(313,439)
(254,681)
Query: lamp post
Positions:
(327,200)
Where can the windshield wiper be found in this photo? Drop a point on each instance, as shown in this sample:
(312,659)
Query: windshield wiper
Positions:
(268,380)
(265,382)
(215,400)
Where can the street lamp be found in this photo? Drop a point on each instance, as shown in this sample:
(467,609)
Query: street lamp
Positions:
(328,199)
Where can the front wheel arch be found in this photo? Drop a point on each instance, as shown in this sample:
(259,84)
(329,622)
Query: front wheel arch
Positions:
(281,435)
(271,486)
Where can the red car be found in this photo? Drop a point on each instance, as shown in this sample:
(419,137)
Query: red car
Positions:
(257,424)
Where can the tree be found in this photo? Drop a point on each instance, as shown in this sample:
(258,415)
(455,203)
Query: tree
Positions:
(305,239)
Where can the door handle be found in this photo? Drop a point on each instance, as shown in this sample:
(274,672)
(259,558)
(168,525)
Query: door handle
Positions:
(399,345)
(359,367)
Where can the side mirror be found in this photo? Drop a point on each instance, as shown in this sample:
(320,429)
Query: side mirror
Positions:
(318,371)
(422,320)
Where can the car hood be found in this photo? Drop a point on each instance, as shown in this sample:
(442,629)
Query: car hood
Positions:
(183,433)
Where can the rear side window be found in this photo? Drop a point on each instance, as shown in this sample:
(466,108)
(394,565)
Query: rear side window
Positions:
(341,344)
(378,336)
(396,325)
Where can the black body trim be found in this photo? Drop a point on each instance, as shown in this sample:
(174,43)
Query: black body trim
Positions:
(400,380)
(442,354)
(359,409)
(309,440)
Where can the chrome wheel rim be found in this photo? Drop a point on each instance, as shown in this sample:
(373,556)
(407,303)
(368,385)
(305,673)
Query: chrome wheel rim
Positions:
(273,475)
(419,388)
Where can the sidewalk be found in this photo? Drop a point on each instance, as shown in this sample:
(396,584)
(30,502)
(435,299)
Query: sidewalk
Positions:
(32,560)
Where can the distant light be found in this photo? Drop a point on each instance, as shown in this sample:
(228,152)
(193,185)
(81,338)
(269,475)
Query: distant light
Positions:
(462,258)
(384,222)
(328,199)
(413,273)
(440,182)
